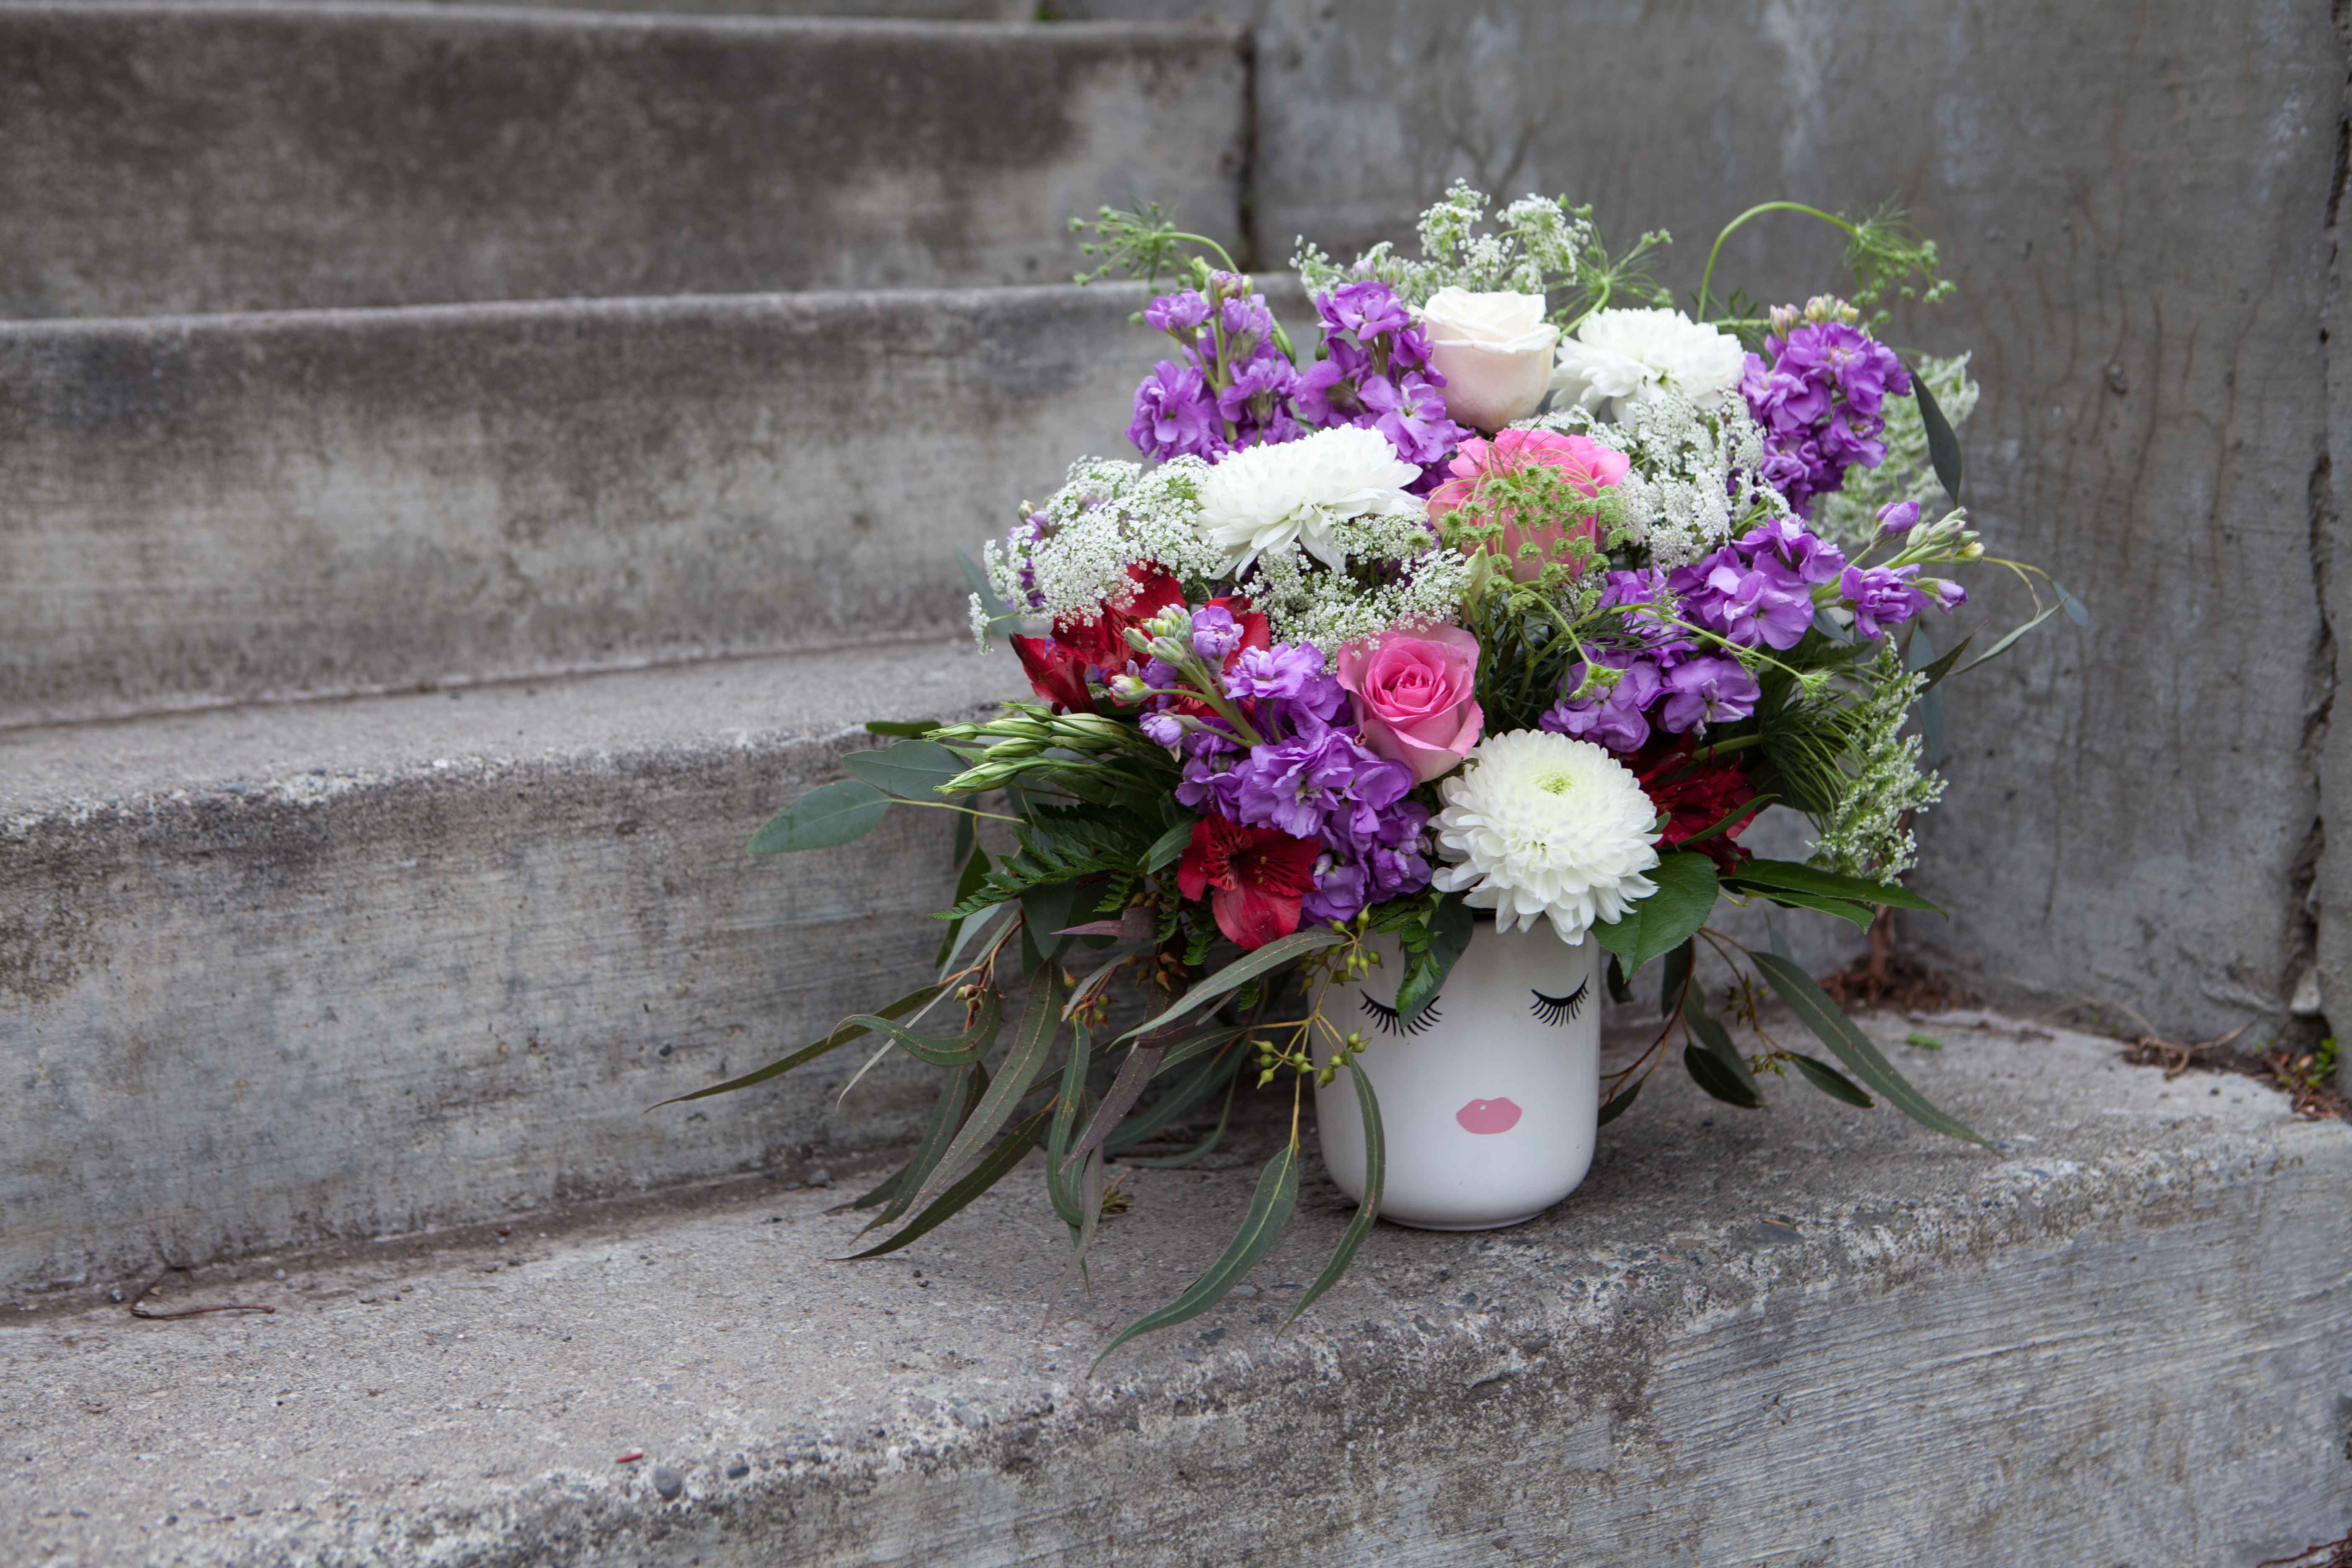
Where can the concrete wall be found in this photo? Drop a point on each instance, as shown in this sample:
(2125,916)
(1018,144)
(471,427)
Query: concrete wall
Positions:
(2133,198)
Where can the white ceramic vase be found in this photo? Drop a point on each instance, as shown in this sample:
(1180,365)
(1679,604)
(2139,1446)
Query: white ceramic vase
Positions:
(1490,1104)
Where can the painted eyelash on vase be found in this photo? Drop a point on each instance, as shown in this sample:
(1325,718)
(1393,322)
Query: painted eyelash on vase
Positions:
(1392,1023)
(1557,1010)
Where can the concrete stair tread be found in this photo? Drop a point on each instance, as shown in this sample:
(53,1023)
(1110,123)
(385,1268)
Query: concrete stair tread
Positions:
(1744,1336)
(178,157)
(315,503)
(304,751)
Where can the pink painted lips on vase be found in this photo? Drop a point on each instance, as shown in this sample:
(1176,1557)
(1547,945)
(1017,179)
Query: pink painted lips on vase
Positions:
(1485,1116)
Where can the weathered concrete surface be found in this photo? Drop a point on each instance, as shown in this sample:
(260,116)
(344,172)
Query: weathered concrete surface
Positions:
(158,159)
(333,969)
(1814,1336)
(209,508)
(2134,208)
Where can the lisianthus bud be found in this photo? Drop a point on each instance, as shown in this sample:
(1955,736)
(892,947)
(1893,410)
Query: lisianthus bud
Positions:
(1897,518)
(1125,688)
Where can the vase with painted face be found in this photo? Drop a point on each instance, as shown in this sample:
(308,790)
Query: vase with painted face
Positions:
(1489,1097)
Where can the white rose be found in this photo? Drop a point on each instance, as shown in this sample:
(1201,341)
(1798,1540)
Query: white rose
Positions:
(1495,352)
(1637,356)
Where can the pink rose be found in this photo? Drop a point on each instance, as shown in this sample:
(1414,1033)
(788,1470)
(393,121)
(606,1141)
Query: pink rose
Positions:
(1584,465)
(1412,692)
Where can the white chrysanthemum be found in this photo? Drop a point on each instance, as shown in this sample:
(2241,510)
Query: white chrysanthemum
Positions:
(1267,497)
(1634,356)
(1539,824)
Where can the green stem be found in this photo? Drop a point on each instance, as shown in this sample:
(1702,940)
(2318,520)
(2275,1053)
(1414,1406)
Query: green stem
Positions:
(1706,279)
(967,810)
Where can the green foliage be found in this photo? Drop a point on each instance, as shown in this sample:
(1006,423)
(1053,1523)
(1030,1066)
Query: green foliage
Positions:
(1667,919)
(1262,1225)
(1376,1166)
(825,816)
(1144,244)
(1851,1047)
(1062,845)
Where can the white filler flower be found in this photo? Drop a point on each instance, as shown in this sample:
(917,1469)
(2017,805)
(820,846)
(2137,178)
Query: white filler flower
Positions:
(1634,356)
(1267,497)
(1540,824)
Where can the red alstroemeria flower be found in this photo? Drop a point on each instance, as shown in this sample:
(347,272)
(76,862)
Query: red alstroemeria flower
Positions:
(1102,641)
(1255,877)
(1057,673)
(1696,798)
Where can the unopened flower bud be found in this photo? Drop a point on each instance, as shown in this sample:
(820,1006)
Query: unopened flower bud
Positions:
(1129,688)
(1169,649)
(1897,518)
(1166,729)
(1947,594)
(1784,320)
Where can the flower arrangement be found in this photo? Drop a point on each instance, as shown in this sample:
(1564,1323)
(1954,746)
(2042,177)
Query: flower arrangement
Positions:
(1519,598)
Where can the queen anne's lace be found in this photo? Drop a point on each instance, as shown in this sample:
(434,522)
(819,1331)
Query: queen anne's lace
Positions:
(1692,476)
(1070,556)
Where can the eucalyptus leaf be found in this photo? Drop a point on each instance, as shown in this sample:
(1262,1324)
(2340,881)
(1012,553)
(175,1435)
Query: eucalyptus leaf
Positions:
(1943,445)
(949,1113)
(1243,970)
(1941,666)
(1831,1081)
(1269,1211)
(1667,919)
(828,816)
(975,873)
(1851,1047)
(982,1177)
(1707,1069)
(1032,1043)
(2006,642)
(940,1052)
(1067,1105)
(1142,1064)
(1376,1169)
(1769,877)
(1620,1104)
(1676,976)
(1711,1034)
(911,770)
(1168,847)
(1845,909)
(911,1000)
(2071,605)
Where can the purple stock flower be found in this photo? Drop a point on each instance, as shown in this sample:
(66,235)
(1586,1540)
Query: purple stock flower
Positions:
(1178,313)
(1164,729)
(1268,377)
(1618,718)
(1367,309)
(1897,517)
(1284,670)
(1817,397)
(1247,315)
(1746,601)
(1174,415)
(1812,558)
(1411,414)
(1948,595)
(1882,597)
(1319,777)
(1709,690)
(1216,633)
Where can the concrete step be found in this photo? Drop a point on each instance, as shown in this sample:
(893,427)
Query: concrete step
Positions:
(210,508)
(173,158)
(1814,1336)
(280,975)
